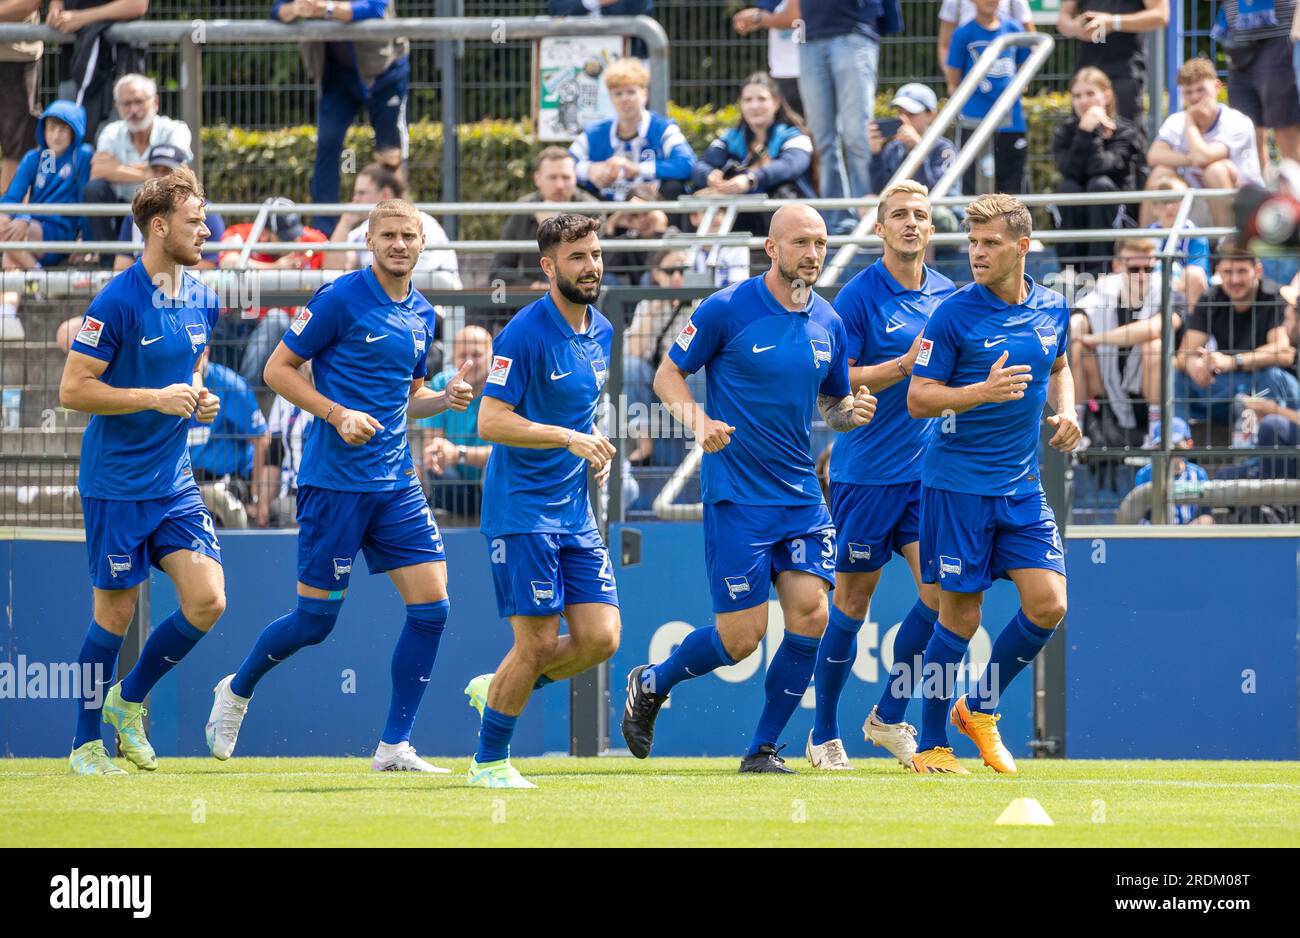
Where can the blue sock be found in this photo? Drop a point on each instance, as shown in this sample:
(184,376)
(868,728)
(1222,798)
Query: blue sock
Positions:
(787,679)
(698,654)
(413,657)
(944,652)
(835,656)
(494,736)
(542,681)
(310,623)
(99,651)
(905,675)
(1013,650)
(167,645)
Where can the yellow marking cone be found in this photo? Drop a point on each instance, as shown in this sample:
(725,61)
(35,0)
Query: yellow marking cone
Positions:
(1024,812)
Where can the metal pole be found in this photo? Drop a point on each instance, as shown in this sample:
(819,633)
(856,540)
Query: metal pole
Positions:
(1049,666)
(192,97)
(1160,501)
(1156,43)
(450,57)
(1173,56)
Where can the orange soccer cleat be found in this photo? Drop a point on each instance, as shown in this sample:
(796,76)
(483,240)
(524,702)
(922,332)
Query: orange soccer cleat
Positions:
(982,728)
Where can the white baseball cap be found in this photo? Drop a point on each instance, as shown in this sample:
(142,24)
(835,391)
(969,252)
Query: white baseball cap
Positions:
(915,97)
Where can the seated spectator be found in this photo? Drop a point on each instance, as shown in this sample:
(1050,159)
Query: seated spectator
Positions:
(954,13)
(631,266)
(1191,276)
(1236,341)
(769,154)
(915,105)
(163,159)
(1010,145)
(1184,470)
(454,454)
(655,324)
(374,184)
(1279,426)
(709,265)
(1261,75)
(120,164)
(1115,348)
(1110,36)
(224,452)
(554,180)
(778,17)
(1208,144)
(287,425)
(637,147)
(1096,150)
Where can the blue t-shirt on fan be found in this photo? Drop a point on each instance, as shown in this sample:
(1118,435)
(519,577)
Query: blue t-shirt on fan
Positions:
(968,44)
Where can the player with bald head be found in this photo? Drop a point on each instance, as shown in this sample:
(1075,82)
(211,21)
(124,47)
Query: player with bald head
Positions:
(771,349)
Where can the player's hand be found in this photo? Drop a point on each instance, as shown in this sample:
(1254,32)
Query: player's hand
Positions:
(602,474)
(713,435)
(864,407)
(208,406)
(459,392)
(356,427)
(1067,434)
(909,360)
(592,447)
(1006,383)
(178,400)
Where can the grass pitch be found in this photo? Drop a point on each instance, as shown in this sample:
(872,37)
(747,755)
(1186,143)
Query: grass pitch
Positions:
(660,802)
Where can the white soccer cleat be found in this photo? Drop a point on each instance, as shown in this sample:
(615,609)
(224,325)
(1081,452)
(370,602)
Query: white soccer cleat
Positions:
(898,738)
(402,758)
(227,715)
(829,755)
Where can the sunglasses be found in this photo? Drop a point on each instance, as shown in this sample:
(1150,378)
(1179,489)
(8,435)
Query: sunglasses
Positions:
(1134,267)
(669,271)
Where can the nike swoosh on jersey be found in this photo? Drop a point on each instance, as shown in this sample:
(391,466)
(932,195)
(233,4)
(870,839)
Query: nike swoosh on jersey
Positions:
(555,377)
(894,326)
(144,341)
(998,341)
(375,338)
(765,348)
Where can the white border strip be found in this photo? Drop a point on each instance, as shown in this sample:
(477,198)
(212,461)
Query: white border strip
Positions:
(1192,531)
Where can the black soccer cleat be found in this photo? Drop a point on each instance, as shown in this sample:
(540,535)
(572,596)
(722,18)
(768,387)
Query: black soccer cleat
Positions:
(766,760)
(639,714)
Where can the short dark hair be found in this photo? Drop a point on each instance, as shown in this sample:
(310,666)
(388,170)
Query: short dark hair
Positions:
(565,228)
(385,178)
(551,153)
(1231,249)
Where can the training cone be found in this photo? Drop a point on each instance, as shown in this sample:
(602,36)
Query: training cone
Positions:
(1024,812)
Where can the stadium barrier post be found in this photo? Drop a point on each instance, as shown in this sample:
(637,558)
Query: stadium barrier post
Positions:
(1049,666)
(451,53)
(192,97)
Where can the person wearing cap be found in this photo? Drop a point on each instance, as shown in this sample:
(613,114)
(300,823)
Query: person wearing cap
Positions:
(916,105)
(1184,470)
(163,159)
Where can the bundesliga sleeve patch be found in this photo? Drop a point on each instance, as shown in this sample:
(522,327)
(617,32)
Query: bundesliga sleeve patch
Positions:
(90,332)
(500,372)
(300,321)
(923,353)
(686,336)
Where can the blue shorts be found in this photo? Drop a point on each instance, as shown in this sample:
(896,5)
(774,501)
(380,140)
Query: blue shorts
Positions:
(540,574)
(394,528)
(123,539)
(873,522)
(969,540)
(746,546)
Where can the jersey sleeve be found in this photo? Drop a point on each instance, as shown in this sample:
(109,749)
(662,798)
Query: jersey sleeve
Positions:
(316,326)
(852,307)
(703,336)
(836,382)
(1063,331)
(102,330)
(937,356)
(421,369)
(957,50)
(514,359)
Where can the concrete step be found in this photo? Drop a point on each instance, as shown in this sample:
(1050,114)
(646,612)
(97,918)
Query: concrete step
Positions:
(37,441)
(54,504)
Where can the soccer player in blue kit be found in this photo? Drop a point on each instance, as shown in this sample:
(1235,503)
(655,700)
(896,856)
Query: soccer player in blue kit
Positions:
(134,366)
(993,353)
(366,335)
(771,349)
(876,477)
(549,366)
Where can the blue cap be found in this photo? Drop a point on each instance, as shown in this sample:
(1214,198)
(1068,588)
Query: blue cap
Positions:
(1179,428)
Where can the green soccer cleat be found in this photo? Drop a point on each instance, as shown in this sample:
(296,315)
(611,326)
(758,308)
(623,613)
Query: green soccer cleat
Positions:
(499,774)
(92,759)
(128,719)
(477,691)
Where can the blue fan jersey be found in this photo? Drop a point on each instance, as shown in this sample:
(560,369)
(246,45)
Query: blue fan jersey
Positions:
(549,374)
(366,348)
(149,340)
(991,449)
(764,368)
(882,319)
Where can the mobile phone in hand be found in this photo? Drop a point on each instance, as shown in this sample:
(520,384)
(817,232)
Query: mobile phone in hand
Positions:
(888,126)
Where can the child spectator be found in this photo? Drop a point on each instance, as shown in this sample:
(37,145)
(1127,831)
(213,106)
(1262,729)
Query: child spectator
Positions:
(1184,471)
(1192,276)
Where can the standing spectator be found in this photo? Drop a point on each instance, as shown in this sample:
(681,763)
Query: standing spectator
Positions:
(1111,34)
(954,13)
(916,105)
(121,151)
(454,453)
(349,76)
(779,18)
(838,62)
(1207,143)
(1096,150)
(638,147)
(90,70)
(224,452)
(606,8)
(1184,470)
(1261,76)
(20,75)
(164,159)
(554,180)
(1010,146)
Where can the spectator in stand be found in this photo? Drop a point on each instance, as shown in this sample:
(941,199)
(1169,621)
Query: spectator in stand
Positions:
(224,452)
(287,425)
(636,148)
(606,8)
(1111,36)
(20,73)
(555,179)
(1010,145)
(1279,426)
(1184,470)
(631,266)
(349,76)
(89,69)
(768,153)
(1236,340)
(712,265)
(838,63)
(163,159)
(1097,150)
(1191,276)
(655,324)
(954,13)
(121,152)
(1208,144)
(779,18)
(1261,76)
(916,105)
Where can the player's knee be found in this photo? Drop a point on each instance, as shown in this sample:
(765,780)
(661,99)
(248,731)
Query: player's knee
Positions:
(538,649)
(204,610)
(315,619)
(1047,612)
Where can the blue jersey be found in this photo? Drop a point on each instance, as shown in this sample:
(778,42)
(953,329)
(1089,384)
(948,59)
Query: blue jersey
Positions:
(882,320)
(991,449)
(149,340)
(366,349)
(549,374)
(764,368)
(1191,472)
(968,44)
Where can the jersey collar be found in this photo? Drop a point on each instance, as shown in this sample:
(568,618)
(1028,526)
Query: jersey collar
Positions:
(773,304)
(381,295)
(895,287)
(642,129)
(996,302)
(561,323)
